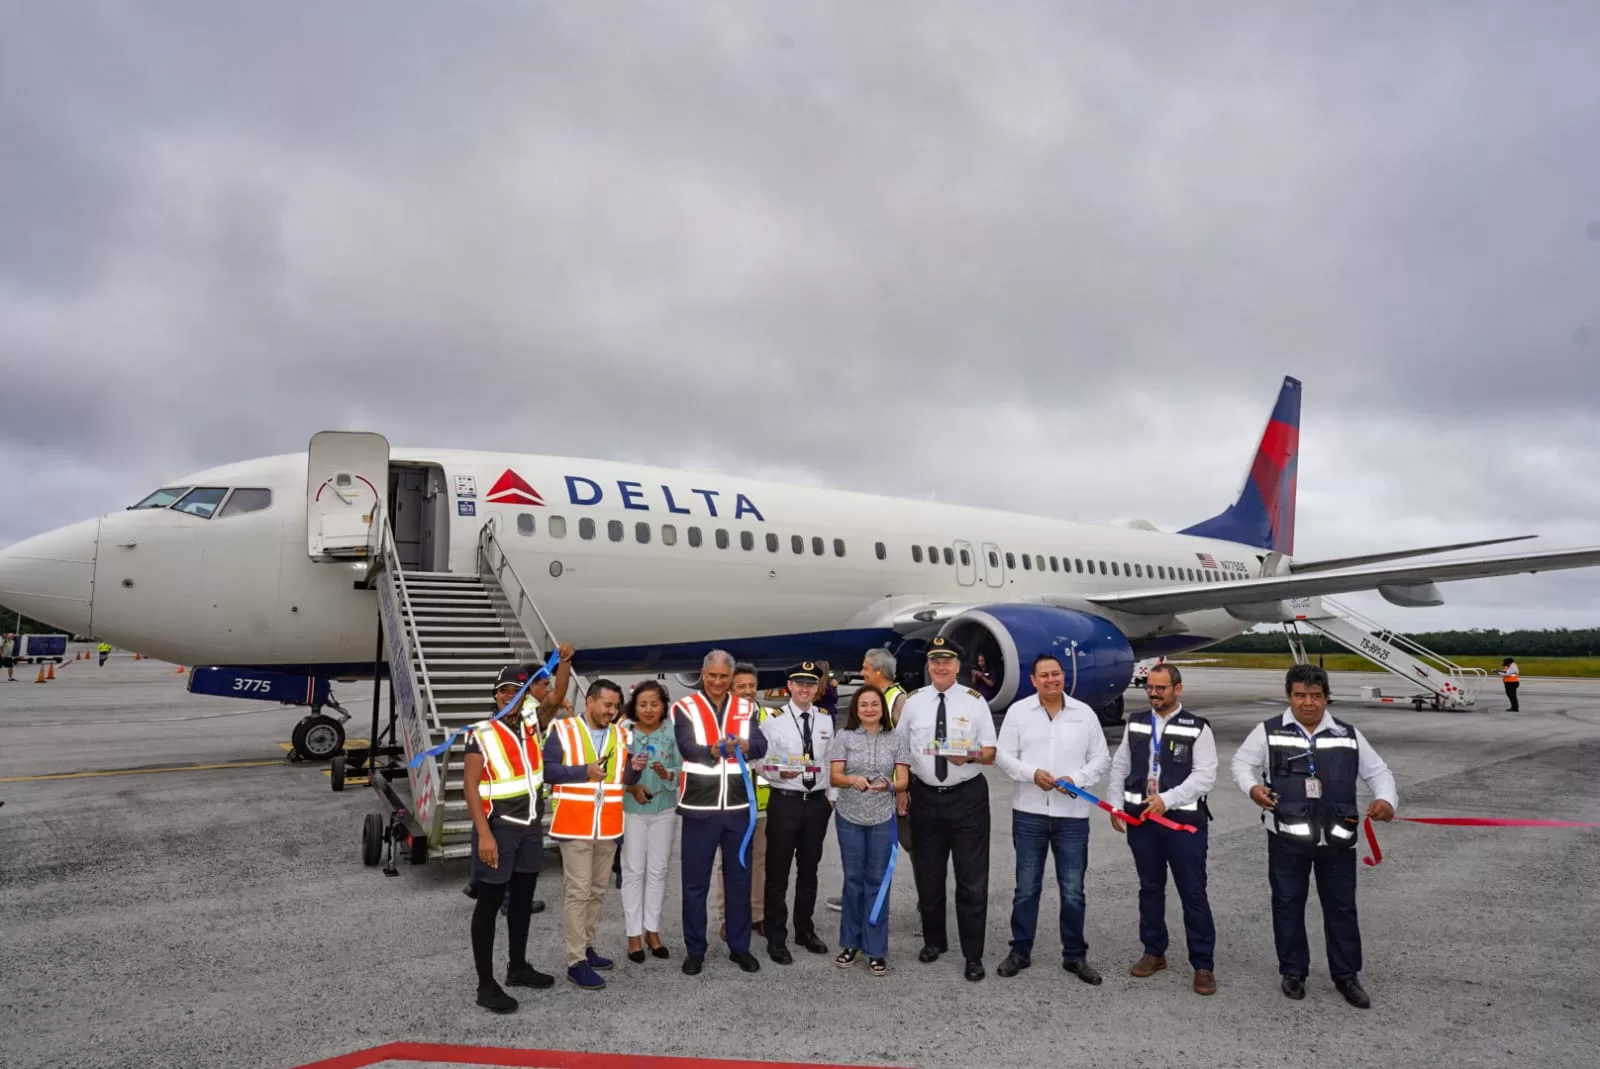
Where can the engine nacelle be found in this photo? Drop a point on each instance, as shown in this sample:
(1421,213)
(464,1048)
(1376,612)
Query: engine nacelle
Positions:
(1096,656)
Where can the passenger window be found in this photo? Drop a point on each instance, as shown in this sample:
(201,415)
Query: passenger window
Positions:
(1055,565)
(1114,568)
(1038,561)
(585,528)
(747,541)
(202,501)
(669,535)
(949,555)
(881,550)
(614,530)
(524,523)
(694,538)
(838,547)
(161,498)
(641,532)
(722,538)
(772,542)
(1027,563)
(797,544)
(933,554)
(557,526)
(1077,565)
(966,558)
(1011,560)
(1138,570)
(916,554)
(1103,568)
(994,561)
(816,545)
(250,499)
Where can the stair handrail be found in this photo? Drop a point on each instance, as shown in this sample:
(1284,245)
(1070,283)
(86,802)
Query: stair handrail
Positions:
(496,571)
(1404,642)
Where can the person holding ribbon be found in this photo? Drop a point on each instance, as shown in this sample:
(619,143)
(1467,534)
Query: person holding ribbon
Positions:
(716,734)
(746,685)
(589,768)
(870,769)
(798,739)
(950,732)
(503,776)
(1165,766)
(650,819)
(1301,768)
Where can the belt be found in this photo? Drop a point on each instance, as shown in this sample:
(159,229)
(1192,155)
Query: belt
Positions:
(803,795)
(944,790)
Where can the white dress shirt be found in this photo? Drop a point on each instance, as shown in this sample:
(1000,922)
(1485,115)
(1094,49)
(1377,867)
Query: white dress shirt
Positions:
(1070,744)
(1253,760)
(782,729)
(967,716)
(1202,773)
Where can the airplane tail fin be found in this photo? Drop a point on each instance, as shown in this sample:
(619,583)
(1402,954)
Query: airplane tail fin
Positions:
(1263,516)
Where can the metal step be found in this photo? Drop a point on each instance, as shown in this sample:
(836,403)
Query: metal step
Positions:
(452,851)
(474,629)
(463,639)
(447,593)
(446,652)
(458,827)
(465,616)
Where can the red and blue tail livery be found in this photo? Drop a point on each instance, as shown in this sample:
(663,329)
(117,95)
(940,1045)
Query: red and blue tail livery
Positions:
(1264,514)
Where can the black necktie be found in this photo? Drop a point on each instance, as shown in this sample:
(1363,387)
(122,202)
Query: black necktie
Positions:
(807,780)
(941,765)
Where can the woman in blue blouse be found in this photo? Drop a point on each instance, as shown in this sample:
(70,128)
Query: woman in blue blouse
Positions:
(652,819)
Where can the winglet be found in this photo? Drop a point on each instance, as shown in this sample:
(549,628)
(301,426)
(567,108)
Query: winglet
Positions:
(1263,516)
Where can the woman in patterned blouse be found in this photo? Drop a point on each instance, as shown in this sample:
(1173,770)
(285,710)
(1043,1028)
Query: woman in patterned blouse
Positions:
(866,757)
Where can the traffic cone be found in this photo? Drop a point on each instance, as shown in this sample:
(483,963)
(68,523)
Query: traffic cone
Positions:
(181,670)
(41,676)
(52,674)
(138,656)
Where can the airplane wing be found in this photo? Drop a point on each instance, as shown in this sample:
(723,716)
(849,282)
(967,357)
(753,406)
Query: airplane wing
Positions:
(1341,581)
(1331,563)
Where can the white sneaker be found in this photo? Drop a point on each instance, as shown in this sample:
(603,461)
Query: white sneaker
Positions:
(836,904)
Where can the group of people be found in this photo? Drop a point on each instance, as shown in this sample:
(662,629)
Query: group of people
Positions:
(897,769)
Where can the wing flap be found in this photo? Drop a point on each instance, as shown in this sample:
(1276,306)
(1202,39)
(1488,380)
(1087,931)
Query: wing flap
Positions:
(1332,563)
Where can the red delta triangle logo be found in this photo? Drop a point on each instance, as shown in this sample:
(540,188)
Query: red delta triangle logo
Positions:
(513,489)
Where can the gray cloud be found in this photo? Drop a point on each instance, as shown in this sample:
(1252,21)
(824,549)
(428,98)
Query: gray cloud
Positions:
(1085,241)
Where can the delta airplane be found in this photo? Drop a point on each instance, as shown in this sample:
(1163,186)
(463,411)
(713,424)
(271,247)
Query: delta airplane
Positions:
(644,569)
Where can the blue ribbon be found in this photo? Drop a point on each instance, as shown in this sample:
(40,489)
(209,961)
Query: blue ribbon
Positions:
(1078,792)
(888,873)
(549,669)
(750,799)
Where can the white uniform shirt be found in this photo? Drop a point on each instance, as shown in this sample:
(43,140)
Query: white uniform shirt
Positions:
(1202,773)
(967,716)
(1253,759)
(782,729)
(1070,744)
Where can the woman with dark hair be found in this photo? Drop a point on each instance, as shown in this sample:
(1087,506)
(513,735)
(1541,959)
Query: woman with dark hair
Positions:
(866,758)
(652,819)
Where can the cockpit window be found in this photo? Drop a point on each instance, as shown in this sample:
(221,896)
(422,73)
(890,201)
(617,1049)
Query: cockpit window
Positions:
(247,499)
(161,498)
(202,501)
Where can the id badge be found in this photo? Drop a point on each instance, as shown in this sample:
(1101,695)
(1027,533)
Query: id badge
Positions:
(1313,787)
(1152,788)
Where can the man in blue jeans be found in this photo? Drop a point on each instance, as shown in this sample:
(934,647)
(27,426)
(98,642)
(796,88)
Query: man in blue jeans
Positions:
(1045,739)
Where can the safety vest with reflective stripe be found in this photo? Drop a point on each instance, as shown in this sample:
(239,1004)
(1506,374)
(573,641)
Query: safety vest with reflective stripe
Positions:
(512,764)
(763,789)
(1510,672)
(1178,737)
(589,810)
(716,786)
(1332,819)
(889,696)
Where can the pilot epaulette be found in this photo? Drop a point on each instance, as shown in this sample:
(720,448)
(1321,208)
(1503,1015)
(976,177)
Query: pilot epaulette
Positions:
(974,693)
(909,693)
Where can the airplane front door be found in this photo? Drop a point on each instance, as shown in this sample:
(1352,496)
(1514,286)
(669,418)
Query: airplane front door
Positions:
(344,470)
(966,566)
(994,569)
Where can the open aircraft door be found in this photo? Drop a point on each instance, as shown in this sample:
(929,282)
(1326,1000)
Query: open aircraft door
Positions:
(344,471)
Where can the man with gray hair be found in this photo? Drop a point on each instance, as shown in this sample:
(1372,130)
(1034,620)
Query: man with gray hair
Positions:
(715,728)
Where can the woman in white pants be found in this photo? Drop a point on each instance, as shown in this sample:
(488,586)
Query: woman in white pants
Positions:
(651,825)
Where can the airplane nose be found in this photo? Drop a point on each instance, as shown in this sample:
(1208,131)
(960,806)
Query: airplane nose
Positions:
(50,577)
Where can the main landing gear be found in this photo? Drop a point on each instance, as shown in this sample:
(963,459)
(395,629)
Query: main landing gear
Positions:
(319,737)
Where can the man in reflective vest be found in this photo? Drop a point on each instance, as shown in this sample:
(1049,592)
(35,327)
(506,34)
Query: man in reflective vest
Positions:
(746,685)
(503,776)
(588,769)
(714,728)
(1301,769)
(1512,678)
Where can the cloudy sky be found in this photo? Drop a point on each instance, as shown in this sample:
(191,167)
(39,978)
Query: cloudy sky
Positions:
(823,242)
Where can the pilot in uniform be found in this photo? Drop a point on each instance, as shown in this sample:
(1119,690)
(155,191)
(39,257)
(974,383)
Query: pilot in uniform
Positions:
(1301,768)
(949,805)
(798,811)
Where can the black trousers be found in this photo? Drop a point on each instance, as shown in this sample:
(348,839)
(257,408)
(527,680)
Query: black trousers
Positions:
(952,824)
(1289,870)
(1511,696)
(797,826)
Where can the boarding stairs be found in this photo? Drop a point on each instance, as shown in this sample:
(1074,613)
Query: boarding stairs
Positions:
(1444,684)
(446,636)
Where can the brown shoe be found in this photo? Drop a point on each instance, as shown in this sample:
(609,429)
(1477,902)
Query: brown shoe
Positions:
(1148,965)
(1204,982)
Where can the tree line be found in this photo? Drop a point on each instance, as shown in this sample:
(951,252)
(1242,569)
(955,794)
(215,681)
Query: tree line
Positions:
(1560,642)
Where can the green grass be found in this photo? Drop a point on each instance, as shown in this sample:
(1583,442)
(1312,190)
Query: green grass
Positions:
(1583,667)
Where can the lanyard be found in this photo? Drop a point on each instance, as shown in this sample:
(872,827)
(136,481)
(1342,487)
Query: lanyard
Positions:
(1155,746)
(805,743)
(1311,747)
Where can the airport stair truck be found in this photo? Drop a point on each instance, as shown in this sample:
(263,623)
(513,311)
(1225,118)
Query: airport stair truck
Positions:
(445,636)
(1444,684)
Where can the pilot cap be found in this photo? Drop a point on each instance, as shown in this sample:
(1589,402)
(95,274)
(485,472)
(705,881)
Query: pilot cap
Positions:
(805,672)
(943,647)
(512,675)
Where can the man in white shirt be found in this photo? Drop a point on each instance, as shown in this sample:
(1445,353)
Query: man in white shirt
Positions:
(949,804)
(1301,769)
(1166,765)
(1047,738)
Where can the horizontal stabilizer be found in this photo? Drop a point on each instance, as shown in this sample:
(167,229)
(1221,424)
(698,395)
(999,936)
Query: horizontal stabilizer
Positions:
(1328,565)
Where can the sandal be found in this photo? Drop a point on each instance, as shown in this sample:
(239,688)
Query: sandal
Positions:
(879,966)
(847,957)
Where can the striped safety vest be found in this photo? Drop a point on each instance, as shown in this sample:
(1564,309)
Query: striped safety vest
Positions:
(512,764)
(889,696)
(717,786)
(589,810)
(1510,672)
(763,789)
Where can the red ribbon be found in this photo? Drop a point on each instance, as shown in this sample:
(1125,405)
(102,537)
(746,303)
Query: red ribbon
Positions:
(1465,822)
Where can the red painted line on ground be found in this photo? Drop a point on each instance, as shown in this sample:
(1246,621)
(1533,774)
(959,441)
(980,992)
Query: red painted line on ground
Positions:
(538,1059)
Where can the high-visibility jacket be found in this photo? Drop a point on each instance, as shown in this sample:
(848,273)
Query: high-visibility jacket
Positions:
(512,764)
(589,810)
(717,786)
(889,696)
(763,789)
(104,647)
(1510,672)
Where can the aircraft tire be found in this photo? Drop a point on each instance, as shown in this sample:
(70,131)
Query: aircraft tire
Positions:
(336,773)
(372,830)
(317,738)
